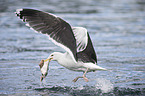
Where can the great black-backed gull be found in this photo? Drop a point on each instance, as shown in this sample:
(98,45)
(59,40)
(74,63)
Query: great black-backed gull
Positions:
(80,54)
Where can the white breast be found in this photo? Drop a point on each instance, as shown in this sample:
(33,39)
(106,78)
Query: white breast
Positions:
(67,62)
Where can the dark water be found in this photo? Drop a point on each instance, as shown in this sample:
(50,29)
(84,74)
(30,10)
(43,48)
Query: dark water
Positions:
(117,29)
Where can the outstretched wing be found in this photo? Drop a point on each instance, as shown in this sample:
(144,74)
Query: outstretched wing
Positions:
(58,30)
(85,49)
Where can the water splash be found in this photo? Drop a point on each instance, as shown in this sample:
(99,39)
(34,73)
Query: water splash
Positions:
(104,84)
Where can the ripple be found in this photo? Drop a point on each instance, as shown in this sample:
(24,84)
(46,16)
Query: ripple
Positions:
(116,28)
(90,91)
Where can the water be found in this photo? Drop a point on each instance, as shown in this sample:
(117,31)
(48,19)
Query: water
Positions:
(118,34)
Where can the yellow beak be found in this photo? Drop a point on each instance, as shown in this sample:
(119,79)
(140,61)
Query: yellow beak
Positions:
(48,59)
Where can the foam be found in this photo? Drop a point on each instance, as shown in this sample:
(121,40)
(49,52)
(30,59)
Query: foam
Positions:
(104,84)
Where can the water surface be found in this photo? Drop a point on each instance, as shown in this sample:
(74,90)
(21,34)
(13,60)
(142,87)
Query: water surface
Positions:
(116,28)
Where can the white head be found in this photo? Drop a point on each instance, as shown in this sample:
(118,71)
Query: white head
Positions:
(55,56)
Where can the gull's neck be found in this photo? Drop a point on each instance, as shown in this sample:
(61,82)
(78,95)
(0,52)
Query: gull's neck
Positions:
(65,59)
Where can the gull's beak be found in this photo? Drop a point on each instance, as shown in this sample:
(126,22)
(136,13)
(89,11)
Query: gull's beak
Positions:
(49,59)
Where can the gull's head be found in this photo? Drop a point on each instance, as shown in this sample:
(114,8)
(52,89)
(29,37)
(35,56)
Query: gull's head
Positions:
(54,56)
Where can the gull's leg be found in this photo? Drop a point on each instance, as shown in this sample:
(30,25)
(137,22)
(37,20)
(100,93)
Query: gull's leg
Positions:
(77,78)
(84,76)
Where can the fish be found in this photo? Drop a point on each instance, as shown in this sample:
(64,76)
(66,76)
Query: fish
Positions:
(44,67)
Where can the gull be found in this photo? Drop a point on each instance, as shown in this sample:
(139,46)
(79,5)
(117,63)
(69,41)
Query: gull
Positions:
(80,54)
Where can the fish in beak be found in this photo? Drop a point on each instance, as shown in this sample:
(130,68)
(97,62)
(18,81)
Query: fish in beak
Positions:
(44,67)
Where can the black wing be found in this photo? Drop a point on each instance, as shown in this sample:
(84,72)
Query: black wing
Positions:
(88,54)
(59,31)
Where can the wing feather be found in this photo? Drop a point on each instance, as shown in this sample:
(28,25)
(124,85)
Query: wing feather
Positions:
(59,31)
(81,36)
(85,49)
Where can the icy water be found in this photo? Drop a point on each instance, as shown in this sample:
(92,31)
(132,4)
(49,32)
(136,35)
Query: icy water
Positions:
(116,27)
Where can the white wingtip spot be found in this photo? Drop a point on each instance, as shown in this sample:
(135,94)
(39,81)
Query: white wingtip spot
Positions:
(18,11)
(15,13)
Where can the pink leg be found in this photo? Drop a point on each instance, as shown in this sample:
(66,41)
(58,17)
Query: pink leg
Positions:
(84,76)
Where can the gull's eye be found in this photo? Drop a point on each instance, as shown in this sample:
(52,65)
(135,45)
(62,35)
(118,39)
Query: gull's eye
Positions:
(52,55)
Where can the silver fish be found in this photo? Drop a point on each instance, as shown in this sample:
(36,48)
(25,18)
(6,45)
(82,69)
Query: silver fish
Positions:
(44,67)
